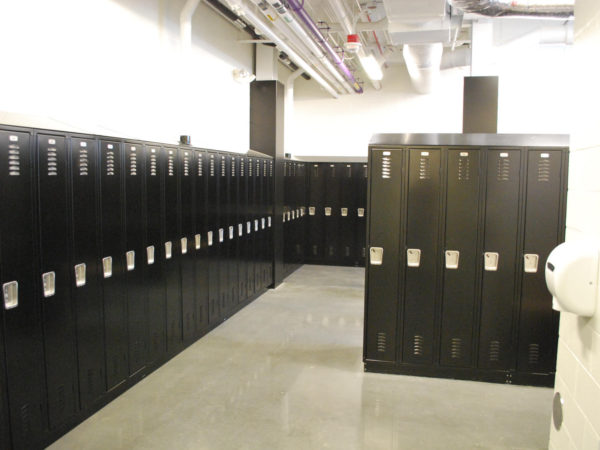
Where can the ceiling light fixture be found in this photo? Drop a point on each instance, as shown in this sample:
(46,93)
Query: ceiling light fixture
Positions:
(371,67)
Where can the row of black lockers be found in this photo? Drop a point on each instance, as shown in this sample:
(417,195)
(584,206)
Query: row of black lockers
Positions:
(455,312)
(115,255)
(325,213)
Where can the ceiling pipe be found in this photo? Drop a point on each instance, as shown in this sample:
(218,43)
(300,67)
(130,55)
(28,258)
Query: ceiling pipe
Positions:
(266,30)
(312,26)
(379,25)
(516,8)
(423,62)
(185,22)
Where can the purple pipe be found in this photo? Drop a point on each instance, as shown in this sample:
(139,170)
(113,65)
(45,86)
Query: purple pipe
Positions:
(312,26)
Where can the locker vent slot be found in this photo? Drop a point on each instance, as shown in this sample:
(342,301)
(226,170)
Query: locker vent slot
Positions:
(348,171)
(14,160)
(543,170)
(315,170)
(332,167)
(171,164)
(386,167)
(186,164)
(534,354)
(52,162)
(233,167)
(418,344)
(26,420)
(200,166)
(365,172)
(257,171)
(270,168)
(84,162)
(503,169)
(153,163)
(494,354)
(381,342)
(331,251)
(242,168)
(223,166)
(212,166)
(250,168)
(456,348)
(265,169)
(363,252)
(110,163)
(133,162)
(464,168)
(424,167)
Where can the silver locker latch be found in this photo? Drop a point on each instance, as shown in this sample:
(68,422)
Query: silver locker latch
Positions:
(452,257)
(490,261)
(328,211)
(262,223)
(168,250)
(293,215)
(49,284)
(344,212)
(311,210)
(376,256)
(531,262)
(255,224)
(289,215)
(210,238)
(297,213)
(231,232)
(107,266)
(80,276)
(198,241)
(284,217)
(183,245)
(130,259)
(240,229)
(413,257)
(361,212)
(150,254)
(221,234)
(269,221)
(11,294)
(248,227)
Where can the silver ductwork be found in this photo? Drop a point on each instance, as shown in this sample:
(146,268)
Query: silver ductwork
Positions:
(423,62)
(515,8)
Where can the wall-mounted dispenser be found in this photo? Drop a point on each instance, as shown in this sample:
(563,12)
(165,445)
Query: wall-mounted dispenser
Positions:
(572,277)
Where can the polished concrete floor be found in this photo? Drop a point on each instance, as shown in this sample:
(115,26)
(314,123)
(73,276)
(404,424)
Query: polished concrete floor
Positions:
(286,373)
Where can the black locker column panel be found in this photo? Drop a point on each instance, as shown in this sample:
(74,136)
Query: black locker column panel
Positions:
(461,257)
(496,345)
(361,173)
(55,280)
(232,231)
(24,351)
(315,219)
(422,255)
(331,213)
(222,235)
(347,215)
(187,244)
(258,248)
(538,322)
(265,262)
(200,243)
(270,212)
(383,267)
(212,236)
(112,258)
(4,412)
(242,234)
(250,227)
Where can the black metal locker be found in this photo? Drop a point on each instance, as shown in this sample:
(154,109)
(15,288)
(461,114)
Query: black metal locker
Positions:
(262,225)
(270,212)
(287,200)
(361,173)
(252,288)
(347,228)
(315,219)
(55,279)
(214,164)
(223,232)
(422,255)
(382,310)
(538,323)
(496,345)
(331,213)
(200,243)
(22,322)
(234,239)
(153,255)
(86,269)
(299,202)
(242,232)
(187,176)
(4,411)
(461,257)
(173,251)
(112,257)
(258,248)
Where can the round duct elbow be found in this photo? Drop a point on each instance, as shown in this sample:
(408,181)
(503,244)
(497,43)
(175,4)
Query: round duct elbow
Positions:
(517,8)
(423,63)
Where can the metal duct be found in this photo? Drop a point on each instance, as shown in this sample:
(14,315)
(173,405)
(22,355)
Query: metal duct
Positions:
(423,63)
(506,8)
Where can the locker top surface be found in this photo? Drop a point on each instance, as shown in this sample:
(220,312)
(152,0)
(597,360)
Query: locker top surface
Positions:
(470,139)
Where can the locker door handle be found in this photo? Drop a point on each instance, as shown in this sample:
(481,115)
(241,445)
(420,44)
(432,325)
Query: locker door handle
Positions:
(240,229)
(413,257)
(107,266)
(530,262)
(361,212)
(293,215)
(289,215)
(231,233)
(311,210)
(168,250)
(80,276)
(344,212)
(130,258)
(255,224)
(198,241)
(184,243)
(210,238)
(11,294)
(452,257)
(490,260)
(262,223)
(248,227)
(297,213)
(49,284)
(150,254)
(269,221)
(221,234)
(376,256)
(328,211)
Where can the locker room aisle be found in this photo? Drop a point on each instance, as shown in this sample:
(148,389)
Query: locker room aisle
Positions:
(286,373)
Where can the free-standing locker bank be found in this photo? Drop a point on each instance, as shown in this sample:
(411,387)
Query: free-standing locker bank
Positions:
(459,227)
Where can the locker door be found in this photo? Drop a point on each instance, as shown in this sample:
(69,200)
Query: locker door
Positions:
(4,411)
(22,321)
(223,237)
(234,240)
(187,175)
(360,212)
(173,251)
(347,218)
(135,261)
(299,204)
(113,263)
(242,235)
(154,255)
(496,346)
(250,226)
(55,279)
(538,323)
(315,219)
(331,212)
(270,210)
(287,234)
(383,269)
(258,247)
(213,236)
(200,238)
(86,269)
(461,258)
(263,224)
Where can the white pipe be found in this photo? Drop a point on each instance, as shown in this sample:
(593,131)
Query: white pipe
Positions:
(264,29)
(185,22)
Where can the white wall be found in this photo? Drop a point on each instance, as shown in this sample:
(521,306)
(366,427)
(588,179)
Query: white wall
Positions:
(116,67)
(578,365)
